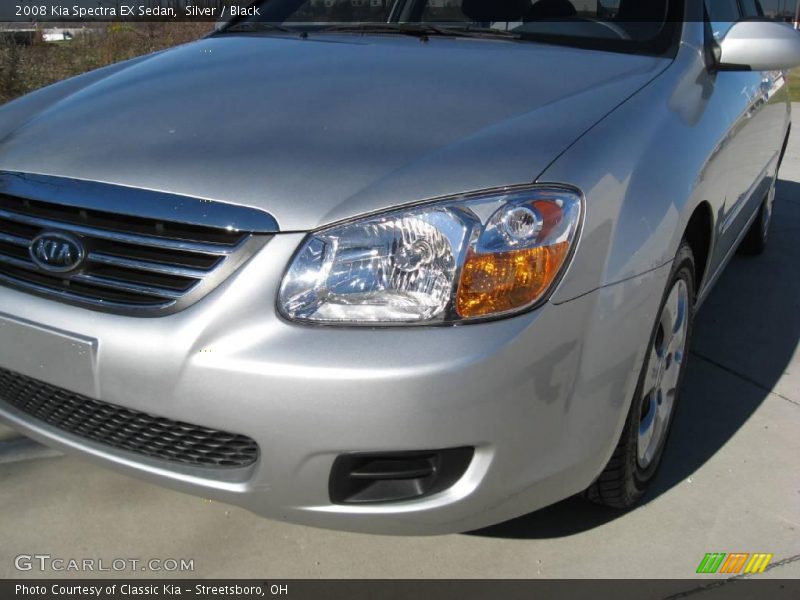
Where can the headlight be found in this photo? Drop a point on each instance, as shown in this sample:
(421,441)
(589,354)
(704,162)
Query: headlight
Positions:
(471,257)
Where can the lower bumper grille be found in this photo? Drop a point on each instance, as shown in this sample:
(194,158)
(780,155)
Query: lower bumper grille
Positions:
(396,476)
(126,429)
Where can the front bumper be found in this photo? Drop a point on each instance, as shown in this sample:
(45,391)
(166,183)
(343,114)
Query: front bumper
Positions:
(541,397)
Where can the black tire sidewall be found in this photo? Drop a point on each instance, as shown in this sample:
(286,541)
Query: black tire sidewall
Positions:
(756,239)
(639,478)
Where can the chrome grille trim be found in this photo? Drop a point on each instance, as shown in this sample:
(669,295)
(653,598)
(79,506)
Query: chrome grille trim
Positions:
(128,238)
(19,263)
(116,284)
(78,300)
(159,268)
(144,265)
(13,239)
(136,202)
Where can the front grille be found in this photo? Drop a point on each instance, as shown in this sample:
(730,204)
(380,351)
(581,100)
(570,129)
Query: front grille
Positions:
(136,265)
(126,429)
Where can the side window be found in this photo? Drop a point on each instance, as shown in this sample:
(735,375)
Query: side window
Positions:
(443,11)
(722,14)
(751,9)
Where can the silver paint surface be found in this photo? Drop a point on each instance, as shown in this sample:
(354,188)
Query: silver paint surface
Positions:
(315,131)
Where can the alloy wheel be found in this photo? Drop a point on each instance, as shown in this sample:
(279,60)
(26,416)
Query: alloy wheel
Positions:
(667,355)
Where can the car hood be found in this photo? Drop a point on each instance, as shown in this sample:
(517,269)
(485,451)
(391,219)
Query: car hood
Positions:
(322,129)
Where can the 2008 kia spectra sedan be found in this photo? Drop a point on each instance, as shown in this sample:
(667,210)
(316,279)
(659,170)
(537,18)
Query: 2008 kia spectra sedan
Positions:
(410,269)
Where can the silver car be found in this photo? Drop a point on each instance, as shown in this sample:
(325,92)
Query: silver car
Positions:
(409,269)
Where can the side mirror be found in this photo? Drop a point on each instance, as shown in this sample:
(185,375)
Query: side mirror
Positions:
(760,46)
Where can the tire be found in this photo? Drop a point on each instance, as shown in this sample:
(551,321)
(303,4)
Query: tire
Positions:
(755,241)
(636,459)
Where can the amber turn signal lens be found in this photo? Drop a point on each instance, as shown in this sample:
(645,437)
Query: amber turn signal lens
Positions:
(505,281)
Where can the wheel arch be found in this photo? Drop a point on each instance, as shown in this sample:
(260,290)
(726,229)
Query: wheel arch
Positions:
(699,234)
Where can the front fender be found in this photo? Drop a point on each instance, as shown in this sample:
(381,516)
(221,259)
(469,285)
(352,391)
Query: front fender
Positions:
(644,169)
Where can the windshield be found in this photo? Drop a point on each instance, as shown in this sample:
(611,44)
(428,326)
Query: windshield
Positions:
(624,25)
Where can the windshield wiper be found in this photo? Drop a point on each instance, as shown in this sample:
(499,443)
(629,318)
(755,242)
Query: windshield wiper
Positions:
(421,30)
(256,26)
(481,32)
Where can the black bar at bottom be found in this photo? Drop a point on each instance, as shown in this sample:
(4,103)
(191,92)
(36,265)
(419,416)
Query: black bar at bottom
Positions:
(701,588)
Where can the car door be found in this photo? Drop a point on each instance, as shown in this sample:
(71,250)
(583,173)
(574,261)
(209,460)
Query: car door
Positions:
(752,101)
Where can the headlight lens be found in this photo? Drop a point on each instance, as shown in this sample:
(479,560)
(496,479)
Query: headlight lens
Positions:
(471,257)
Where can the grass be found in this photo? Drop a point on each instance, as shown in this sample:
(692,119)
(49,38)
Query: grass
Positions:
(24,68)
(794,85)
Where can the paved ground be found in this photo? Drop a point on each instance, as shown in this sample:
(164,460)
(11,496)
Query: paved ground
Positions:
(731,481)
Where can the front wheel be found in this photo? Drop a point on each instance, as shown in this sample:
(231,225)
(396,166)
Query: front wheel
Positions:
(638,453)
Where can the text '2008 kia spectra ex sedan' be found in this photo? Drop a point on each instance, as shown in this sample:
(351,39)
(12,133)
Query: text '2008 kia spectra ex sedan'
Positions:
(412,269)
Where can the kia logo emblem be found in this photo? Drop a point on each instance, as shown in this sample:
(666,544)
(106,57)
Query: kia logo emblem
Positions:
(57,252)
